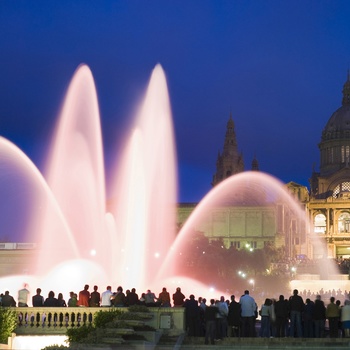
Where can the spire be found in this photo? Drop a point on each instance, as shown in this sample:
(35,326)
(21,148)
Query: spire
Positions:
(255,164)
(346,91)
(230,162)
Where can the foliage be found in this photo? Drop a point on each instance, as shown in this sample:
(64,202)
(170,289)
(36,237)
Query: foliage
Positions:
(8,323)
(55,347)
(83,334)
(103,318)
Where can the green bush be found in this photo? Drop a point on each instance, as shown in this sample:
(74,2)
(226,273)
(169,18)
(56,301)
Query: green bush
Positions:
(83,334)
(8,323)
(55,347)
(103,318)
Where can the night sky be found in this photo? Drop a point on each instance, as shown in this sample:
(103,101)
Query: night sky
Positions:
(278,66)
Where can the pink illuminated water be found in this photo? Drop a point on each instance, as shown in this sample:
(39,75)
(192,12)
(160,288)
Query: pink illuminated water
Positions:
(133,243)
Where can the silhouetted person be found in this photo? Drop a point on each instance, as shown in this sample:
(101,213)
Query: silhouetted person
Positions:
(281,312)
(132,298)
(95,298)
(248,306)
(333,314)
(84,296)
(51,301)
(192,316)
(210,322)
(8,300)
(319,317)
(118,299)
(164,298)
(38,299)
(296,307)
(234,317)
(61,301)
(178,297)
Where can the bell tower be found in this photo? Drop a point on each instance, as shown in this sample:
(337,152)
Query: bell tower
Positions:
(230,161)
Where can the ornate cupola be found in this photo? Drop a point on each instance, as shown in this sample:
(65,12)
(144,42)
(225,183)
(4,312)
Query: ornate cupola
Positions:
(346,92)
(230,162)
(334,151)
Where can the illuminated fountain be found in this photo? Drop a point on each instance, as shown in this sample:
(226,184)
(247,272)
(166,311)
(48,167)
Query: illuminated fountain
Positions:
(132,242)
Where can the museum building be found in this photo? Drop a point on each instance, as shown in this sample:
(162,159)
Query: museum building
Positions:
(326,204)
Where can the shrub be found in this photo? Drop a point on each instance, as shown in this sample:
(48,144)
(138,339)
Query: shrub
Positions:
(83,334)
(8,323)
(103,318)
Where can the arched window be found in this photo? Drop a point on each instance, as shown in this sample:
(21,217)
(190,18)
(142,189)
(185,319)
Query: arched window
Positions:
(344,222)
(320,223)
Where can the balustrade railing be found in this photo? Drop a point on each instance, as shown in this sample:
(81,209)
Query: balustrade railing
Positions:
(56,320)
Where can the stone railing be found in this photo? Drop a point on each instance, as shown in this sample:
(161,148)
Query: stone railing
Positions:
(56,320)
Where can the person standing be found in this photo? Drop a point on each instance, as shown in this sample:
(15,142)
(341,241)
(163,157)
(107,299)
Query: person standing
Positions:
(281,312)
(307,318)
(333,313)
(234,317)
(192,316)
(319,317)
(23,296)
(118,299)
(73,300)
(95,298)
(210,322)
(132,298)
(38,299)
(150,299)
(248,307)
(84,296)
(51,301)
(296,306)
(8,300)
(164,298)
(265,313)
(106,297)
(221,318)
(178,298)
(345,318)
(61,301)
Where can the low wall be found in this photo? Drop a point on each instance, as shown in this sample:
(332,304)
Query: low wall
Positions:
(56,320)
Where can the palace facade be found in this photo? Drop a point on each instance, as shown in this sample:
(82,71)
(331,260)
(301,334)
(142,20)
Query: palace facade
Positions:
(326,203)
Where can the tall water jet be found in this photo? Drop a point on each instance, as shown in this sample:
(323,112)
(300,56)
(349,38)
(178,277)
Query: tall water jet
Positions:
(146,188)
(75,175)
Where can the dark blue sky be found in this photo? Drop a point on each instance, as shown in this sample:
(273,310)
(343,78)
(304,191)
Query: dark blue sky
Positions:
(278,66)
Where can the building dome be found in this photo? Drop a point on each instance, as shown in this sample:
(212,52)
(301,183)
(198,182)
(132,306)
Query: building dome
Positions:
(335,140)
(338,125)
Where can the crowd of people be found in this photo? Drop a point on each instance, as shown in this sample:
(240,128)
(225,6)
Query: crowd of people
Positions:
(302,314)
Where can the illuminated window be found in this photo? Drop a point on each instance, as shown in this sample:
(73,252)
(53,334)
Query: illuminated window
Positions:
(320,224)
(344,222)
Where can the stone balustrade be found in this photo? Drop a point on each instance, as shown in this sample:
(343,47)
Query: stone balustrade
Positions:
(56,320)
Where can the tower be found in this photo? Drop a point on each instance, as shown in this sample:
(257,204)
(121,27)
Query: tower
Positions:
(229,162)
